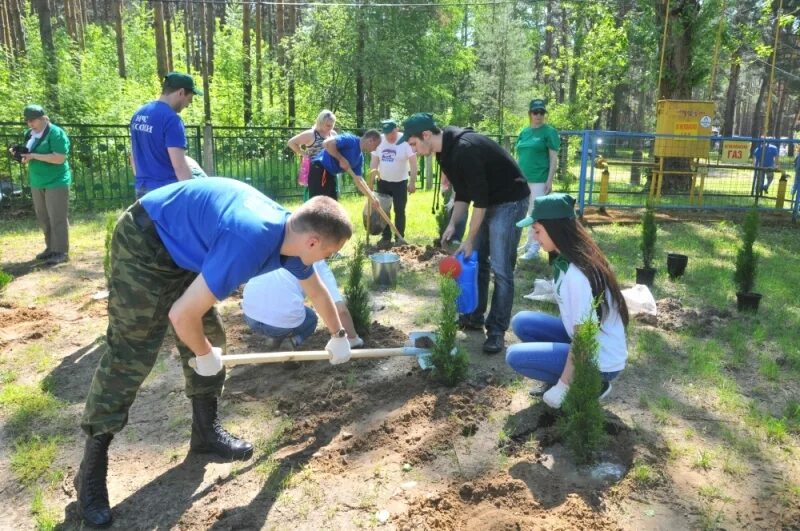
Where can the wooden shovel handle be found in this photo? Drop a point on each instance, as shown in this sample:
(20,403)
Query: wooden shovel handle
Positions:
(231,360)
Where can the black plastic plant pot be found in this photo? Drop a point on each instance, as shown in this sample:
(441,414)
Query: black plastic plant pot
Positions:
(676,264)
(747,302)
(645,275)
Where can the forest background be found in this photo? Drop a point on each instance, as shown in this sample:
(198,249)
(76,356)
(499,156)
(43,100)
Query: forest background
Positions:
(477,63)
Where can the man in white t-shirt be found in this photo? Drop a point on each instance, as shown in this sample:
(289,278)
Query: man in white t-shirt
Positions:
(273,305)
(395,162)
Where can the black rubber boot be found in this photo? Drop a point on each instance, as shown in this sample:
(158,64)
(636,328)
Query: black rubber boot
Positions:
(90,482)
(208,436)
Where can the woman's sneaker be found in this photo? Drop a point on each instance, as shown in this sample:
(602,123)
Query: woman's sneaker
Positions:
(605,390)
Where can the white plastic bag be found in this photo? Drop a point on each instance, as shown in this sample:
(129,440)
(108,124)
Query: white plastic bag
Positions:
(639,300)
(543,290)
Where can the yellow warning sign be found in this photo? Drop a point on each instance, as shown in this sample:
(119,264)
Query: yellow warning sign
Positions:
(735,151)
(676,119)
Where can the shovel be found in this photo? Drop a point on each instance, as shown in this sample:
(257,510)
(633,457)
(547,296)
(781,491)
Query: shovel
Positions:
(423,355)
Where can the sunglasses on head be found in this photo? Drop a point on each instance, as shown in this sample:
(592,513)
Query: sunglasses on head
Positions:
(538,112)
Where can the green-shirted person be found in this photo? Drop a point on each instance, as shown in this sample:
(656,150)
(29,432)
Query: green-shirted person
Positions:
(49,176)
(537,155)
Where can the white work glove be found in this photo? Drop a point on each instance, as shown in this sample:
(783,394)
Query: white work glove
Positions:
(208,365)
(555,395)
(355,342)
(339,349)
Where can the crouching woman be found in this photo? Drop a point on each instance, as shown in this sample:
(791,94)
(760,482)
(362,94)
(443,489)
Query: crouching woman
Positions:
(581,276)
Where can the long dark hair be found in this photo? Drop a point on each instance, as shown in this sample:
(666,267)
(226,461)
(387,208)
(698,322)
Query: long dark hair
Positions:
(575,244)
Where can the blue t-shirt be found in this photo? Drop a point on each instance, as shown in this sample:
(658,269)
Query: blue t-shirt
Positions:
(154,128)
(350,148)
(222,228)
(770,154)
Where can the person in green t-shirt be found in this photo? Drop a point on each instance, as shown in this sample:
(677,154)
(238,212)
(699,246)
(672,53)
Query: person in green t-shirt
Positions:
(537,154)
(50,177)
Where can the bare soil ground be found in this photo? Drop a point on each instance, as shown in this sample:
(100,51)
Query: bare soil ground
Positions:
(368,444)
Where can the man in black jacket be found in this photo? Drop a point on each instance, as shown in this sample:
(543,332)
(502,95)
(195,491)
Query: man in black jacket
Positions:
(483,173)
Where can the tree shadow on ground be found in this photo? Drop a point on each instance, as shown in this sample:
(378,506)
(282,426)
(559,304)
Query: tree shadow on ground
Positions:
(138,511)
(70,380)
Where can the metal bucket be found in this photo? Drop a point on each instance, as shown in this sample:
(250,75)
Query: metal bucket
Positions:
(384,269)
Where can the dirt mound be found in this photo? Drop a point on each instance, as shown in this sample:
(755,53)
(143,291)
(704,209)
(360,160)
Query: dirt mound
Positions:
(413,257)
(672,315)
(24,324)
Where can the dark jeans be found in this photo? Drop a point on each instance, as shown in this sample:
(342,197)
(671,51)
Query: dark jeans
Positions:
(399,193)
(299,333)
(322,182)
(496,244)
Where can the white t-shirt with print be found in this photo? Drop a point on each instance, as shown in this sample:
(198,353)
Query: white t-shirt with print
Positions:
(276,298)
(393,160)
(574,296)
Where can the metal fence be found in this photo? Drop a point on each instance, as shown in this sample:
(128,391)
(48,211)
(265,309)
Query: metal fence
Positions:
(601,168)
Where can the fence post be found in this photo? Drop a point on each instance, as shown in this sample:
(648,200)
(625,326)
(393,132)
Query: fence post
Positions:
(636,171)
(582,177)
(784,180)
(429,171)
(208,149)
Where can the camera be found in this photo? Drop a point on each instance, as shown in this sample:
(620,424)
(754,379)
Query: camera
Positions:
(17,151)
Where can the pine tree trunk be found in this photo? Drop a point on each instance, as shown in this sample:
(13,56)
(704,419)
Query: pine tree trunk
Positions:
(50,57)
(247,82)
(210,29)
(118,29)
(270,51)
(777,122)
(205,13)
(259,61)
(362,31)
(162,67)
(17,8)
(290,88)
(168,35)
(758,117)
(729,116)
(5,26)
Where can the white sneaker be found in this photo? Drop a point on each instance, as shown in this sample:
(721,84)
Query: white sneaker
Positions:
(355,342)
(554,396)
(531,253)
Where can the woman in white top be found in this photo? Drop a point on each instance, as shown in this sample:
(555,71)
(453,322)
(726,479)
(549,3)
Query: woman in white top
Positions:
(581,275)
(308,144)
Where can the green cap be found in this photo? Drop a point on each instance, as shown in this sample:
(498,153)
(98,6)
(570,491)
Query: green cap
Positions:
(33,111)
(179,80)
(551,206)
(538,104)
(417,123)
(387,126)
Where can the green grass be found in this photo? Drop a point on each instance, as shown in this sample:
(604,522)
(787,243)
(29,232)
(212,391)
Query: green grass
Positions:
(45,518)
(33,458)
(27,404)
(643,475)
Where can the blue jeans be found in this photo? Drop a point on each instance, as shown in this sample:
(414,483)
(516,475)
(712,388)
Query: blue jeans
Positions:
(299,333)
(542,354)
(496,244)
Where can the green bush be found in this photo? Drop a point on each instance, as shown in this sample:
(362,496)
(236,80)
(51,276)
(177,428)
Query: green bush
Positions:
(443,214)
(5,279)
(648,245)
(746,257)
(111,222)
(356,291)
(449,360)
(583,423)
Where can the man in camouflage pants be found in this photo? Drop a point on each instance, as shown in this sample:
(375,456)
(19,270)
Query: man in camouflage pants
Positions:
(174,253)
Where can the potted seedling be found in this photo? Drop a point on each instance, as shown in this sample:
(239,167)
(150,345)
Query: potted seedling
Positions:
(646,274)
(676,264)
(746,266)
